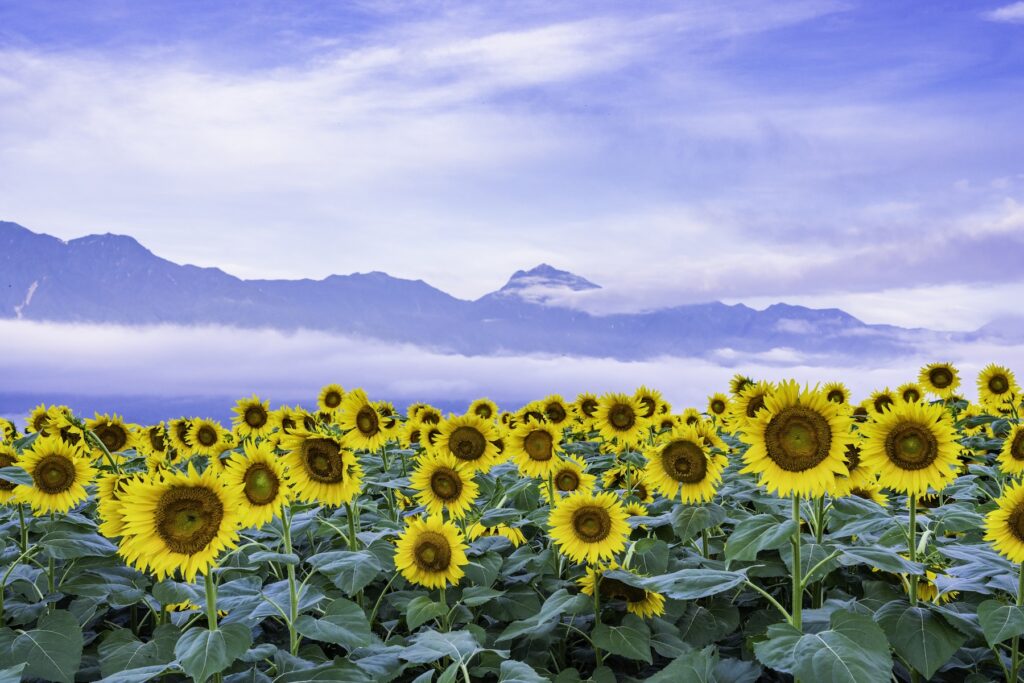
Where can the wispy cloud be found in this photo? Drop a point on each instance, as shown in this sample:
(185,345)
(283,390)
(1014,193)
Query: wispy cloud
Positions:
(1012,13)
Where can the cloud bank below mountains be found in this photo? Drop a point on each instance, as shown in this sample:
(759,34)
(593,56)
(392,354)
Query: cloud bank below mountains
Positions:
(173,361)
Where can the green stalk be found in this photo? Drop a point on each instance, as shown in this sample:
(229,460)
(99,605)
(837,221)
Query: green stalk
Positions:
(598,657)
(819,533)
(24,528)
(211,609)
(704,543)
(1014,659)
(445,623)
(353,542)
(551,506)
(293,596)
(798,591)
(912,535)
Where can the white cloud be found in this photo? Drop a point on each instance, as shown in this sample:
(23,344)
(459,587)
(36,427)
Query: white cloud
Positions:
(1012,13)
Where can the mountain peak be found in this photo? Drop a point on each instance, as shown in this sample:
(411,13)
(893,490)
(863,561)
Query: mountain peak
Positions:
(542,284)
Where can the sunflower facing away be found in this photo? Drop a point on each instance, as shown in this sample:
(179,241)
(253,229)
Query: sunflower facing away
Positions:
(8,432)
(320,469)
(361,422)
(589,528)
(567,477)
(514,536)
(620,416)
(881,401)
(911,447)
(252,417)
(1011,456)
(469,439)
(868,490)
(8,457)
(330,398)
(59,472)
(682,466)
(996,384)
(738,383)
(444,483)
(180,522)
(941,379)
(642,603)
(1004,526)
(535,448)
(259,476)
(797,443)
(431,552)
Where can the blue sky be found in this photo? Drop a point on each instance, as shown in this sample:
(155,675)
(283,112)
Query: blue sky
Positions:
(866,155)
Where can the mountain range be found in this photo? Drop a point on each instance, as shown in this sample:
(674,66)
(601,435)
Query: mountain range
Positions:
(114,279)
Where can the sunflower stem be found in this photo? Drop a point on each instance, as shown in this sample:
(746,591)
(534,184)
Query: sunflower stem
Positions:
(106,453)
(551,505)
(706,551)
(211,601)
(1015,645)
(598,657)
(798,590)
(24,528)
(819,533)
(353,542)
(293,597)
(445,614)
(912,536)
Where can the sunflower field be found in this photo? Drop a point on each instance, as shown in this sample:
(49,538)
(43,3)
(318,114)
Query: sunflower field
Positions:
(779,532)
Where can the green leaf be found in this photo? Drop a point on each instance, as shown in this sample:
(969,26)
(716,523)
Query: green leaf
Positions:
(343,623)
(496,516)
(702,626)
(429,646)
(919,635)
(886,559)
(474,596)
(280,558)
(697,666)
(66,544)
(685,584)
(757,533)
(422,609)
(202,653)
(778,650)
(854,650)
(139,675)
(12,674)
(53,650)
(1000,621)
(16,475)
(483,570)
(689,520)
(338,671)
(349,570)
(632,639)
(121,651)
(545,619)
(518,672)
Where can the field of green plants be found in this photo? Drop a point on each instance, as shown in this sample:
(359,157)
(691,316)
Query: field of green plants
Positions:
(780,532)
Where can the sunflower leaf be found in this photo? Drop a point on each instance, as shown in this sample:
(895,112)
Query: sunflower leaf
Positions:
(1000,621)
(685,584)
(689,520)
(349,570)
(343,623)
(53,650)
(919,635)
(201,653)
(757,533)
(420,610)
(632,639)
(15,475)
(697,666)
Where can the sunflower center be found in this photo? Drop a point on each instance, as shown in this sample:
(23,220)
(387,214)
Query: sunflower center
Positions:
(181,430)
(861,493)
(836,396)
(940,377)
(621,417)
(6,461)
(592,524)
(323,461)
(54,474)
(446,484)
(332,399)
(588,407)
(432,552)
(113,437)
(998,384)
(206,436)
(467,443)
(718,406)
(911,396)
(261,484)
(1017,447)
(188,518)
(366,421)
(911,446)
(255,416)
(567,480)
(156,439)
(649,405)
(613,588)
(539,445)
(684,461)
(882,403)
(798,439)
(483,410)
(755,404)
(852,457)
(554,412)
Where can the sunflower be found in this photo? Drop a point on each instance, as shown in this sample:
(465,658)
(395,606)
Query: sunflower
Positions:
(868,490)
(411,433)
(797,442)
(469,439)
(1011,456)
(429,415)
(619,417)
(320,469)
(484,408)
(642,603)
(8,457)
(650,401)
(111,431)
(259,476)
(252,417)
(748,403)
(738,383)
(431,552)
(531,412)
(682,466)
(207,437)
(39,418)
(444,483)
(585,407)
(589,528)
(881,401)
(515,536)
(861,411)
(836,392)
(330,397)
(361,422)
(616,476)
(535,448)
(8,432)
(635,509)
(691,416)
(177,434)
(287,419)
(151,441)
(928,590)
(556,410)
(1004,526)
(568,476)
(911,447)
(718,405)
(180,522)
(666,423)
(941,379)
(859,474)
(60,473)
(110,490)
(996,384)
